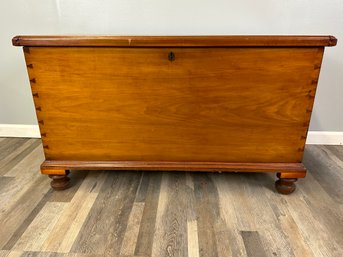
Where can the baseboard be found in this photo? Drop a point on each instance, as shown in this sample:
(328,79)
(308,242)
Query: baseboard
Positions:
(19,130)
(32,131)
(325,138)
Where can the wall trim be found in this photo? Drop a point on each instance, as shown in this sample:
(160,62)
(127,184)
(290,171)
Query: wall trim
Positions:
(325,138)
(32,131)
(19,130)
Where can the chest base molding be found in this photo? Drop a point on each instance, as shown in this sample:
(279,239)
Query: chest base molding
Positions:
(296,169)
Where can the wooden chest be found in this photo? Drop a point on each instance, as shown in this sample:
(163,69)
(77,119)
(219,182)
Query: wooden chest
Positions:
(200,103)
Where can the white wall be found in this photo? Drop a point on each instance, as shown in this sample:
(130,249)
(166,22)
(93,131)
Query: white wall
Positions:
(176,17)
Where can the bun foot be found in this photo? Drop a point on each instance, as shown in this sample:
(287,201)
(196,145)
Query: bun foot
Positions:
(285,186)
(60,182)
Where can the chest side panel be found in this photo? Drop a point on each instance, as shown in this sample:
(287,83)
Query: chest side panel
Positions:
(207,104)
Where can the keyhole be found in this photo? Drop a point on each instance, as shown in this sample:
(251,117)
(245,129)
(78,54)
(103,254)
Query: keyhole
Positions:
(171,56)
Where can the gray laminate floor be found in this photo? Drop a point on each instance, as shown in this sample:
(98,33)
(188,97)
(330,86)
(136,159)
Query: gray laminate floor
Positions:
(170,213)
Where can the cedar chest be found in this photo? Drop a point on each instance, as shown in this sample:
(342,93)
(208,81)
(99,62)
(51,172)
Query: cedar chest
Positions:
(191,103)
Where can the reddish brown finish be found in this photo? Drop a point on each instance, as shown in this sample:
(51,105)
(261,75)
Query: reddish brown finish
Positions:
(53,171)
(285,186)
(295,169)
(209,104)
(175,41)
(286,174)
(197,103)
(60,182)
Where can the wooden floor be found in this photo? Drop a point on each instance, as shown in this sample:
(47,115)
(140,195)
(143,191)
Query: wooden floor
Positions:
(168,214)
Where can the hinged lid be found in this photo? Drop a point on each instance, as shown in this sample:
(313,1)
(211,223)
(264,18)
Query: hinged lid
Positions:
(176,41)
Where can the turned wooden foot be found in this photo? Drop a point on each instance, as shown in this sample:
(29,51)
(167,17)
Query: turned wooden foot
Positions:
(285,186)
(60,182)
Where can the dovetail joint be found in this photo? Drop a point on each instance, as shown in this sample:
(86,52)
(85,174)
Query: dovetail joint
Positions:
(316,66)
(30,66)
(301,149)
(39,108)
(33,80)
(26,49)
(35,95)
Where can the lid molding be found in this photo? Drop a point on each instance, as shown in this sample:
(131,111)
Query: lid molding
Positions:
(176,41)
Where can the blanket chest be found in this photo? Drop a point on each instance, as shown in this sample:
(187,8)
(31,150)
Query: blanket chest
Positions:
(192,103)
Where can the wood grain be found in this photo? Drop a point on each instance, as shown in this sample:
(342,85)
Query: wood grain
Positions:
(24,174)
(120,201)
(253,244)
(171,219)
(183,41)
(191,109)
(224,214)
(319,159)
(13,150)
(266,221)
(236,211)
(146,231)
(284,217)
(165,165)
(77,179)
(45,220)
(132,230)
(192,237)
(14,216)
(20,154)
(77,210)
(207,214)
(13,240)
(322,244)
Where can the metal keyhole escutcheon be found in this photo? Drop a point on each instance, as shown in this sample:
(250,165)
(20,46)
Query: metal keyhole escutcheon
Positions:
(171,56)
